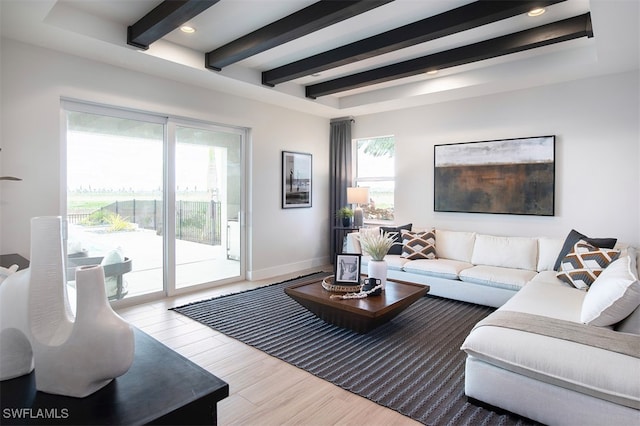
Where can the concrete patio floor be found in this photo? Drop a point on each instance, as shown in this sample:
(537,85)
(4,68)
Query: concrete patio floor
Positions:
(195,263)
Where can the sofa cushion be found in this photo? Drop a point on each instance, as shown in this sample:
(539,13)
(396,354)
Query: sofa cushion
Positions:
(575,236)
(396,231)
(582,265)
(553,299)
(614,295)
(571,365)
(394,261)
(418,245)
(455,245)
(589,370)
(495,276)
(506,252)
(550,277)
(548,249)
(442,268)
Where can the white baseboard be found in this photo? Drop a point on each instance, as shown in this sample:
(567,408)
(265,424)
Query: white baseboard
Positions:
(263,274)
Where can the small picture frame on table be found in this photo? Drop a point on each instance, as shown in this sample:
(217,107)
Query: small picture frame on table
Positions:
(347,269)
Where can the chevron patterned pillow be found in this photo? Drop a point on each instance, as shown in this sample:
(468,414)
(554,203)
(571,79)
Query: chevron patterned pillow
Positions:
(418,245)
(584,263)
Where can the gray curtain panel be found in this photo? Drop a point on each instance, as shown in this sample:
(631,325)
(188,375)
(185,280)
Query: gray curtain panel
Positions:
(340,174)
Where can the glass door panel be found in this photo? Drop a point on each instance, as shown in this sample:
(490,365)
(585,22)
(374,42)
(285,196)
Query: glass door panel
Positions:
(208,192)
(115,200)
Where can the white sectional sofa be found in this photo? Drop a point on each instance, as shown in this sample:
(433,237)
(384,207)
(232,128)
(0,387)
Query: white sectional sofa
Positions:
(535,355)
(472,267)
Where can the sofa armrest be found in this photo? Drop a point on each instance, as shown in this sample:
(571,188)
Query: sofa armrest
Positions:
(353,243)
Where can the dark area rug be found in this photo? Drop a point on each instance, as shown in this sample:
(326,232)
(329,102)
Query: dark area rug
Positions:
(412,364)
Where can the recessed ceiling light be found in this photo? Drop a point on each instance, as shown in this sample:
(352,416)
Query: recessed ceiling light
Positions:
(536,12)
(316,74)
(432,72)
(187,29)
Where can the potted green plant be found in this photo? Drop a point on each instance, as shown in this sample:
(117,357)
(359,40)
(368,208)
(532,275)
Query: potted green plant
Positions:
(345,214)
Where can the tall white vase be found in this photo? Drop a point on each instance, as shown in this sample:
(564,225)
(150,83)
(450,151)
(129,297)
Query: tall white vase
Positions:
(73,357)
(99,347)
(34,301)
(378,269)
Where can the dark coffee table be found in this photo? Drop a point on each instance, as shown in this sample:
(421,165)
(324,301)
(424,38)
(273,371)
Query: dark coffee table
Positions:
(360,315)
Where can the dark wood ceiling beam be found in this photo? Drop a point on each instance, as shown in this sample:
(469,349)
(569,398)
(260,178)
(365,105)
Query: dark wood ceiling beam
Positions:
(453,21)
(305,21)
(568,29)
(163,19)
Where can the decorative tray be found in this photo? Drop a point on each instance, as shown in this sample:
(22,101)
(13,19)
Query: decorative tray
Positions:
(328,284)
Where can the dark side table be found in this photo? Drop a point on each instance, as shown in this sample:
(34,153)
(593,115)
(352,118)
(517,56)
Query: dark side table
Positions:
(161,387)
(6,260)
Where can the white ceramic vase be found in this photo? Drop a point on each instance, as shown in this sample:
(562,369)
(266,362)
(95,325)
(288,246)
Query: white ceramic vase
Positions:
(16,356)
(378,269)
(72,356)
(100,345)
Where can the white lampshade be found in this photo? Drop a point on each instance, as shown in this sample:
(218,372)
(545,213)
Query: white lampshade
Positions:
(358,195)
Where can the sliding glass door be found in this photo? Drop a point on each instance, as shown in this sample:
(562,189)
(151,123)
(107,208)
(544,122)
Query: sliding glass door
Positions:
(115,199)
(208,190)
(156,201)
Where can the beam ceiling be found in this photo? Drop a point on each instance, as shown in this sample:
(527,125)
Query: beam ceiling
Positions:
(568,29)
(305,21)
(163,19)
(169,14)
(460,19)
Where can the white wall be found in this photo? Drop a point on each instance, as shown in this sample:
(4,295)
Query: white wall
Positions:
(35,79)
(597,151)
(595,121)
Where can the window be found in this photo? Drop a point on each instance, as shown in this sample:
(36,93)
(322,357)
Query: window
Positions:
(375,169)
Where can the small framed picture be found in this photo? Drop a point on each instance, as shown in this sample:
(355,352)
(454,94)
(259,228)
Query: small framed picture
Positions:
(347,269)
(296,180)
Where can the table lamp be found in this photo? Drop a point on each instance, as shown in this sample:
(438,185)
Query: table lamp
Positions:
(358,195)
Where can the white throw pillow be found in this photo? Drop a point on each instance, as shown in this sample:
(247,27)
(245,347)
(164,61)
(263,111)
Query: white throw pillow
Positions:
(613,296)
(548,249)
(505,252)
(112,257)
(454,245)
(111,283)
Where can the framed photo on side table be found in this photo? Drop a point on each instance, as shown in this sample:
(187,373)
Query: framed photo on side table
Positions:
(296,179)
(347,269)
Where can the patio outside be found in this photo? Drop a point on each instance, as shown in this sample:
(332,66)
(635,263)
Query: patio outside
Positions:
(196,263)
(118,169)
(121,225)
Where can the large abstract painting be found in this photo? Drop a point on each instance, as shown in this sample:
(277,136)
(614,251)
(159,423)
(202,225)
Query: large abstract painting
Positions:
(510,176)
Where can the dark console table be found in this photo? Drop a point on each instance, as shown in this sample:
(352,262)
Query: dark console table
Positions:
(161,387)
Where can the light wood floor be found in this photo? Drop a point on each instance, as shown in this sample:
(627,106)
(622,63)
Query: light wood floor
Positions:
(262,389)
